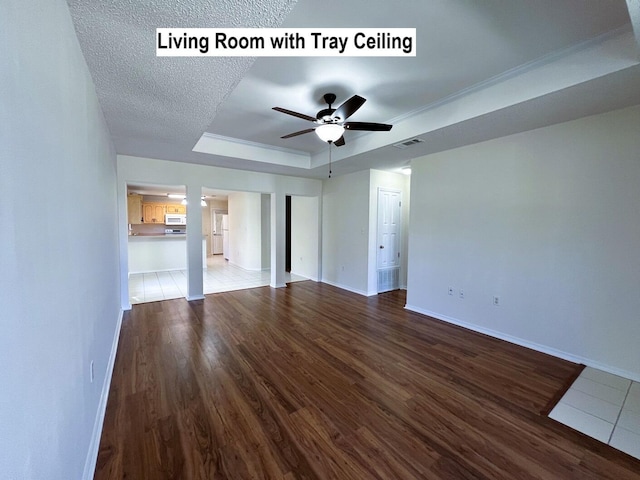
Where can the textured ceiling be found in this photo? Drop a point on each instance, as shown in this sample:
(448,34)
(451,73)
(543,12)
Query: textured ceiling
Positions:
(164,99)
(160,106)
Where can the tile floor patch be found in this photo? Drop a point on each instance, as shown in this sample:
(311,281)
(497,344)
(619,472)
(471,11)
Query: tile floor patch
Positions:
(599,390)
(629,421)
(626,441)
(632,403)
(606,378)
(583,422)
(598,405)
(592,405)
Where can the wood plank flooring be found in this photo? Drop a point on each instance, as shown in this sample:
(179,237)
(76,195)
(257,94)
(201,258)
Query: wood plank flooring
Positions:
(312,382)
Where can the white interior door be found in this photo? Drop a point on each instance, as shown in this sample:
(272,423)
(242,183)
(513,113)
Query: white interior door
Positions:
(388,264)
(216,232)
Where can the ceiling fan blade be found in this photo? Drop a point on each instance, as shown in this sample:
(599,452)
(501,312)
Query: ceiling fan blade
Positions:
(339,142)
(349,107)
(295,114)
(367,126)
(301,132)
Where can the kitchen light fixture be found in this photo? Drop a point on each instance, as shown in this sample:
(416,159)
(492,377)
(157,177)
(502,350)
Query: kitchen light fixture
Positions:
(184,201)
(329,132)
(202,202)
(175,195)
(406,170)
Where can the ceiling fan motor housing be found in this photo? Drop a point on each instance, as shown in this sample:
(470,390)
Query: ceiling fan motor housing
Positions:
(325,115)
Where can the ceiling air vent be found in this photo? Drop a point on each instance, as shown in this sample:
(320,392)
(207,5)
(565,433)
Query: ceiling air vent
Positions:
(408,143)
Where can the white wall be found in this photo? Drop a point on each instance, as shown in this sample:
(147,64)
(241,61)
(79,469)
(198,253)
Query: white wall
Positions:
(345,231)
(266,230)
(395,181)
(305,236)
(206,226)
(245,230)
(549,221)
(59,287)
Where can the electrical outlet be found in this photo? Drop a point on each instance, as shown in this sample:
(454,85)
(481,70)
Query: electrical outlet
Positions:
(91,374)
(496,301)
(450,290)
(461,293)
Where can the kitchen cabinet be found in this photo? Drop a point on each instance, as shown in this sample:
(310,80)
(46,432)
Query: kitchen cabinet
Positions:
(134,208)
(153,212)
(177,208)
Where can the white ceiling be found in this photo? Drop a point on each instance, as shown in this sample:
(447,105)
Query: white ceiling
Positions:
(484,68)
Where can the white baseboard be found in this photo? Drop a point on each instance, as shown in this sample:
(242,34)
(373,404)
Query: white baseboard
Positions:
(157,270)
(278,285)
(195,297)
(92,455)
(344,287)
(527,344)
(315,279)
(248,269)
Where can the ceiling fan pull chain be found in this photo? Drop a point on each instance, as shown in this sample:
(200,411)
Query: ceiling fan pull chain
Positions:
(330,159)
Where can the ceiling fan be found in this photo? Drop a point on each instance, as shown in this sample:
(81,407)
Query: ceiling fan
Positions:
(331,122)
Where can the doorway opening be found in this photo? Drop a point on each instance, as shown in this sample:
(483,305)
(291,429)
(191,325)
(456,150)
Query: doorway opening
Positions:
(287,234)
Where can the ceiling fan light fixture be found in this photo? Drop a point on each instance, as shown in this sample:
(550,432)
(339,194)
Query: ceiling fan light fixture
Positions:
(330,132)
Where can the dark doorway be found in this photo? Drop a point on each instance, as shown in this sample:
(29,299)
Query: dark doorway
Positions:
(287,234)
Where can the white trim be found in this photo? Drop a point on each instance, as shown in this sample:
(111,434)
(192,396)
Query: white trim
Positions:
(518,70)
(246,269)
(527,344)
(92,454)
(349,289)
(161,270)
(194,297)
(258,152)
(241,141)
(278,285)
(315,279)
(633,7)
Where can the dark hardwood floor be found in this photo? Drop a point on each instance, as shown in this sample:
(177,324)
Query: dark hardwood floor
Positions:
(313,382)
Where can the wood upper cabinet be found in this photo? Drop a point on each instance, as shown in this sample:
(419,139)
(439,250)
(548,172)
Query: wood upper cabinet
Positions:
(134,208)
(153,212)
(177,208)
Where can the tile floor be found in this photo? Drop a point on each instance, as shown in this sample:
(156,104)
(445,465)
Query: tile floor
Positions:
(605,407)
(220,276)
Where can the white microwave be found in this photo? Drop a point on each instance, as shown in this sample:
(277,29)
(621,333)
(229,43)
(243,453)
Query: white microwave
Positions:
(175,219)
